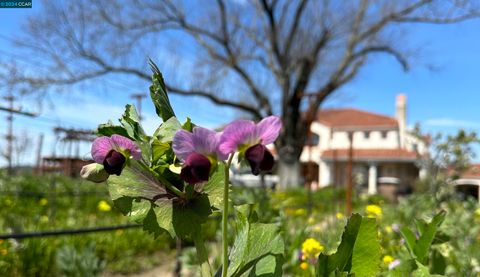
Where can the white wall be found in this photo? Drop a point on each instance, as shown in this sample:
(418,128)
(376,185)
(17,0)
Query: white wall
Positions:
(375,140)
(329,139)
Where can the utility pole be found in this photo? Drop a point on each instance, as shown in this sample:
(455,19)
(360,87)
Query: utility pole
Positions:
(9,137)
(138,96)
(348,195)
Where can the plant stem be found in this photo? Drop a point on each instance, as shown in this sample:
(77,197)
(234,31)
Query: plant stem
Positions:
(225,217)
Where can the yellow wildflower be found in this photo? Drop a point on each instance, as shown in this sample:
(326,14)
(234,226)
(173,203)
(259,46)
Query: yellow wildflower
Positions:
(4,252)
(300,212)
(387,259)
(477,212)
(339,215)
(103,206)
(311,220)
(8,202)
(43,202)
(43,219)
(388,229)
(373,211)
(304,266)
(311,248)
(317,229)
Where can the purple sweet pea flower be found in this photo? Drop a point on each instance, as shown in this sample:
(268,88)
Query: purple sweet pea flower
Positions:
(197,151)
(250,139)
(113,151)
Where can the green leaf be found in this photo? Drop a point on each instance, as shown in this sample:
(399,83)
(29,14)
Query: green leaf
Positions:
(131,122)
(421,225)
(214,187)
(339,261)
(182,219)
(438,263)
(366,252)
(134,182)
(358,252)
(158,93)
(257,250)
(421,271)
(410,240)
(158,150)
(426,239)
(108,129)
(188,125)
(167,130)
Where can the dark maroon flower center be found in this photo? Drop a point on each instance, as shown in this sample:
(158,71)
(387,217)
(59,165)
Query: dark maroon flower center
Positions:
(196,169)
(114,162)
(259,158)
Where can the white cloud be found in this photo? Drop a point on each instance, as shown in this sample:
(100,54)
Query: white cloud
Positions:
(451,122)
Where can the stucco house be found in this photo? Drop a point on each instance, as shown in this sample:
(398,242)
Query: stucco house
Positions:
(469,182)
(383,149)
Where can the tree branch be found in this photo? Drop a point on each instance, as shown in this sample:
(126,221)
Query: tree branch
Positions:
(383,49)
(242,106)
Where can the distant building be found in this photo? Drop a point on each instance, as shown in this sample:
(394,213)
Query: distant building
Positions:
(384,151)
(469,182)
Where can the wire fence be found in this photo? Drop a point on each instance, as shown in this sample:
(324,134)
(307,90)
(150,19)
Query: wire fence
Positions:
(22,193)
(68,232)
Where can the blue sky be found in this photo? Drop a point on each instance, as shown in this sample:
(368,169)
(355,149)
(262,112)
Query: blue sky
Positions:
(441,100)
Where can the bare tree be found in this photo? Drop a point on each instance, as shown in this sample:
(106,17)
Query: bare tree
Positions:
(259,56)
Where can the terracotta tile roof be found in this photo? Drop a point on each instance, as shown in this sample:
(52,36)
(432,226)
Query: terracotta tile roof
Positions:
(371,154)
(472,172)
(353,118)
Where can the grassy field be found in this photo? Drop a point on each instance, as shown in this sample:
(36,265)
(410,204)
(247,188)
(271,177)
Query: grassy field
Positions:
(33,204)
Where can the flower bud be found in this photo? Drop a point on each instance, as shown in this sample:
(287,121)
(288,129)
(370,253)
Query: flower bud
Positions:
(94,172)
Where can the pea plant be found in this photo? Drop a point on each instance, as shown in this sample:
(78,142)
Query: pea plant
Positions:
(174,180)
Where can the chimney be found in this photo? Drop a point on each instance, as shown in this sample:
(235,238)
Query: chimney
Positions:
(401,115)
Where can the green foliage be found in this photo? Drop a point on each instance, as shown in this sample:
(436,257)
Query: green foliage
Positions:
(167,130)
(257,250)
(358,252)
(109,129)
(74,263)
(419,248)
(47,203)
(158,93)
(131,123)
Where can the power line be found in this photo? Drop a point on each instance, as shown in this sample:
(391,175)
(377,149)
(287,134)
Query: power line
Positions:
(9,137)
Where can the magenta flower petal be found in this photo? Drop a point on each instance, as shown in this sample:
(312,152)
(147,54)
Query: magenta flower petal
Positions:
(183,144)
(268,129)
(204,141)
(100,148)
(122,143)
(237,133)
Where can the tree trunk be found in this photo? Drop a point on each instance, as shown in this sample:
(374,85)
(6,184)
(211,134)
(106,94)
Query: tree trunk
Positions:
(289,174)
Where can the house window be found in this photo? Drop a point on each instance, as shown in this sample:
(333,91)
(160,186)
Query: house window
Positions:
(384,134)
(314,139)
(415,147)
(366,135)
